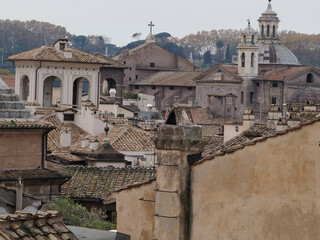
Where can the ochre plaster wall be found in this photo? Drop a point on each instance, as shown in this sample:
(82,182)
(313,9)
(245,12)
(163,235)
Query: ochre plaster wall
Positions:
(20,148)
(269,190)
(136,217)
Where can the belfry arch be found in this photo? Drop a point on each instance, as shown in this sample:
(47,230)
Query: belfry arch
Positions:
(25,88)
(107,84)
(52,87)
(81,91)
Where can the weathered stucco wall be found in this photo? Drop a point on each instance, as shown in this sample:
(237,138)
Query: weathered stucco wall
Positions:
(136,217)
(269,190)
(20,148)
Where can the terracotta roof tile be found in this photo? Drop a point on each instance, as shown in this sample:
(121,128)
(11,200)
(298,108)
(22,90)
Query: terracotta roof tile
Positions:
(96,183)
(132,139)
(167,78)
(48,53)
(25,123)
(28,174)
(54,136)
(240,143)
(215,145)
(41,225)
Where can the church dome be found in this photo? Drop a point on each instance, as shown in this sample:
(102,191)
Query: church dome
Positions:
(271,51)
(276,53)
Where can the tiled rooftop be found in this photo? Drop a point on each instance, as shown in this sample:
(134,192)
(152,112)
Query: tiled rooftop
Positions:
(167,78)
(122,138)
(96,183)
(30,174)
(49,53)
(131,139)
(54,136)
(216,145)
(40,226)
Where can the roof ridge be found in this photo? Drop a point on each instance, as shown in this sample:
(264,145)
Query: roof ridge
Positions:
(256,140)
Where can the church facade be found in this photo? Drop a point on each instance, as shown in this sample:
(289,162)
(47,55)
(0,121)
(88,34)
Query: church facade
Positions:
(267,73)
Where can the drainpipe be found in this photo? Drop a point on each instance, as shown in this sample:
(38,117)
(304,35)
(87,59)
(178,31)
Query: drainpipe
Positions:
(99,78)
(44,149)
(36,82)
(19,193)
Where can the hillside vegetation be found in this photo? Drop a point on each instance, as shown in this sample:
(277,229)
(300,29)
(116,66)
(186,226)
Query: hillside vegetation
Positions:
(207,47)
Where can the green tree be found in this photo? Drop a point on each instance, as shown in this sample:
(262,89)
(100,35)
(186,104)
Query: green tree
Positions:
(228,54)
(163,35)
(207,58)
(78,215)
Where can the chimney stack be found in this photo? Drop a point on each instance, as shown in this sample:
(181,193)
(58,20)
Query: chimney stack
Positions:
(19,194)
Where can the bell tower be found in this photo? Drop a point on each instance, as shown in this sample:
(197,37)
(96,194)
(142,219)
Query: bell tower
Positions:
(268,26)
(248,51)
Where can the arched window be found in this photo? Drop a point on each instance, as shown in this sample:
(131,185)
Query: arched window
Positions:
(252,39)
(310,78)
(244,38)
(252,60)
(243,60)
(274,31)
(268,31)
(262,31)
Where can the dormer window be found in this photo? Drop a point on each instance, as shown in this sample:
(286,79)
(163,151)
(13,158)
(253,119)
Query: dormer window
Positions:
(62,46)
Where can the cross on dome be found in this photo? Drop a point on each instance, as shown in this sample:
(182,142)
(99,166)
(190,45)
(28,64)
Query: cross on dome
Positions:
(151,25)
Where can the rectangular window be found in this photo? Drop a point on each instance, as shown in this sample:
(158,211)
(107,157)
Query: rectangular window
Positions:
(136,77)
(154,87)
(130,79)
(136,87)
(273,100)
(241,97)
(124,62)
(68,117)
(152,64)
(251,97)
(189,88)
(171,87)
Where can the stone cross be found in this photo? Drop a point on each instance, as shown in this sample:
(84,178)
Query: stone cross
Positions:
(151,25)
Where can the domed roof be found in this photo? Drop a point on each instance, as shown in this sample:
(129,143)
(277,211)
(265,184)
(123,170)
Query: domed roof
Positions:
(269,10)
(276,53)
(248,30)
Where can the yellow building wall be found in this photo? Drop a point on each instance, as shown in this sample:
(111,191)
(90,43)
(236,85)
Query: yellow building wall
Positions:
(269,190)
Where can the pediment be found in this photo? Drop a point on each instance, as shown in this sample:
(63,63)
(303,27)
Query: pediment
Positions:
(218,74)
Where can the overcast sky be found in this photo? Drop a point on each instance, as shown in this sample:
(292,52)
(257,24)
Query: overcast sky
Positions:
(120,19)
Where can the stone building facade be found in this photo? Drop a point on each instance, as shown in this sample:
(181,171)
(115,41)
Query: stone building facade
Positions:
(147,59)
(267,73)
(41,71)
